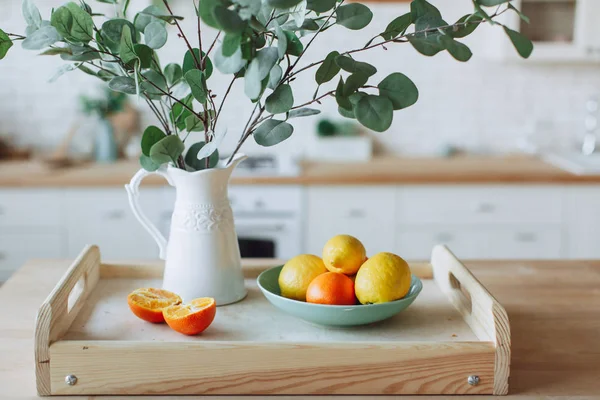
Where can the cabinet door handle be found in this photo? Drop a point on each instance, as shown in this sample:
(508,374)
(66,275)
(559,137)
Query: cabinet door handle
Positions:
(356,213)
(526,237)
(444,237)
(485,208)
(115,215)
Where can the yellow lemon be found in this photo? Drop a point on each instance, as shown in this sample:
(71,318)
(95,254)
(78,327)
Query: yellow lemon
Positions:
(298,273)
(382,278)
(344,254)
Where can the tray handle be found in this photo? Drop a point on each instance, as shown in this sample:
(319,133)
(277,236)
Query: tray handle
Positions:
(60,309)
(481,311)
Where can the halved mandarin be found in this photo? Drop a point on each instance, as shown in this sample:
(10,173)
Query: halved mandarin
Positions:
(192,318)
(148,303)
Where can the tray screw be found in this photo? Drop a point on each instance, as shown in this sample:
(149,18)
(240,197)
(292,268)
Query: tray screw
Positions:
(473,380)
(71,380)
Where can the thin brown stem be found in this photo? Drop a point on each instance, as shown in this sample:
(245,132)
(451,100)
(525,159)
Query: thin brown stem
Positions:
(331,92)
(157,113)
(199,34)
(189,46)
(18,37)
(213,43)
(199,115)
(225,98)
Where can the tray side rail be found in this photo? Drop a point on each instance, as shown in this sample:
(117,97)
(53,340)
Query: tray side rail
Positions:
(480,310)
(60,308)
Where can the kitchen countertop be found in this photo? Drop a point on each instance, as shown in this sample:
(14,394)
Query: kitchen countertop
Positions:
(553,307)
(383,170)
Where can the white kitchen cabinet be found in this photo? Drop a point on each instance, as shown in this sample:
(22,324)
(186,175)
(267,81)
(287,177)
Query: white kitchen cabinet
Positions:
(476,242)
(479,204)
(103,217)
(18,247)
(31,208)
(582,215)
(367,212)
(562,31)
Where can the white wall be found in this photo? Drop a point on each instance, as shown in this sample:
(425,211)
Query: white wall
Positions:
(482,105)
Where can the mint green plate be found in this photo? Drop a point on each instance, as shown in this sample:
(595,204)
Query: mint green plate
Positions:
(334,315)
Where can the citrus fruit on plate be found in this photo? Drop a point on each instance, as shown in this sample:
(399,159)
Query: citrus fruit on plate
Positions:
(383,278)
(344,254)
(148,303)
(331,288)
(191,318)
(322,314)
(298,273)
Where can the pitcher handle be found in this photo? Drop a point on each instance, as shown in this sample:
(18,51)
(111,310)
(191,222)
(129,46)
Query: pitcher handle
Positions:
(134,201)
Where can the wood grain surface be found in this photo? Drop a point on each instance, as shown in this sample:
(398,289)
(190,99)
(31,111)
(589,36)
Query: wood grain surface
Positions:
(382,170)
(552,305)
(484,314)
(253,348)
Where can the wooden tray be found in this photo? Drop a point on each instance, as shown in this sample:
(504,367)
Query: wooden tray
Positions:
(454,339)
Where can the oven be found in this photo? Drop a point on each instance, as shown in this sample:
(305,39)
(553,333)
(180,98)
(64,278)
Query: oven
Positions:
(268,220)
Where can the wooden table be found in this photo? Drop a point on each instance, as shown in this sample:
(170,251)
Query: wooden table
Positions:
(553,306)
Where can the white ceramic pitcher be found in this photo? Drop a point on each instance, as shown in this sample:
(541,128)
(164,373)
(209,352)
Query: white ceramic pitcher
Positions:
(202,256)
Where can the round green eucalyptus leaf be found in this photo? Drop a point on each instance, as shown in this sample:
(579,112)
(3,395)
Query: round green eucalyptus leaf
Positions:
(194,124)
(195,78)
(353,16)
(345,113)
(258,70)
(401,91)
(374,112)
(275,76)
(155,35)
(328,70)
(272,132)
(192,161)
(349,64)
(281,100)
(458,50)
(151,136)
(342,101)
(320,6)
(282,42)
(294,45)
(123,84)
(112,31)
(354,82)
(144,18)
(303,112)
(231,43)
(228,20)
(5,44)
(62,20)
(173,73)
(397,27)
(283,3)
(167,150)
(144,54)
(157,81)
(463,28)
(147,163)
(82,29)
(205,10)
(229,65)
(189,62)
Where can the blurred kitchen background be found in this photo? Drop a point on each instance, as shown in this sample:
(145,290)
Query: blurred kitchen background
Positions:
(497,159)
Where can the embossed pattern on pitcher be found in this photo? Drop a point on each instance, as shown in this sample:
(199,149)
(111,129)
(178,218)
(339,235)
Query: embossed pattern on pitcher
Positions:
(201,218)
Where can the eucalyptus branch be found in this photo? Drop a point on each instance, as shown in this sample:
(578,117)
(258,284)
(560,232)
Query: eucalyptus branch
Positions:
(225,98)
(199,32)
(213,43)
(199,115)
(317,100)
(182,35)
(312,39)
(17,37)
(246,132)
(157,113)
(398,39)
